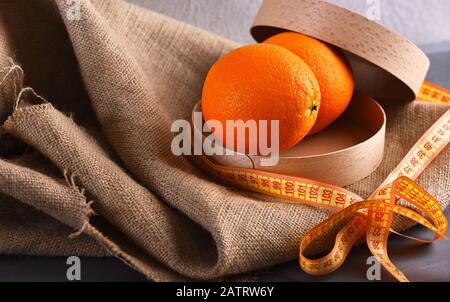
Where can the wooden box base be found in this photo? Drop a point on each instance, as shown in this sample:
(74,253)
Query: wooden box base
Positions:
(346,152)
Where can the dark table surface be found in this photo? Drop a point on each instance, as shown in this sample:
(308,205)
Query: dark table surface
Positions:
(419,262)
(423,263)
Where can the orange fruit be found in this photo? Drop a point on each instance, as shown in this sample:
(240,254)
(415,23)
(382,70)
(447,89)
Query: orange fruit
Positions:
(331,69)
(263,82)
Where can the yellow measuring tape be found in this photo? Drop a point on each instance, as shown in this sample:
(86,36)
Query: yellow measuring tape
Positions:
(373,216)
(434,93)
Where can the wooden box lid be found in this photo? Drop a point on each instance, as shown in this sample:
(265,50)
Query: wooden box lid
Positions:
(386,65)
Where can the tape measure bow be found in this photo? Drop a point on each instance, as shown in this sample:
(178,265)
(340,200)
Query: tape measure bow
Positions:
(372,217)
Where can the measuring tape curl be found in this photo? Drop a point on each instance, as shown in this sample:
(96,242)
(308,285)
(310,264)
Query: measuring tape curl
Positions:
(380,207)
(373,216)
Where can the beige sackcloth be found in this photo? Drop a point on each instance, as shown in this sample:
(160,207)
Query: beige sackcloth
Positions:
(87,169)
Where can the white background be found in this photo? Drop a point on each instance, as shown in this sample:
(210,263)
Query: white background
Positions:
(425,22)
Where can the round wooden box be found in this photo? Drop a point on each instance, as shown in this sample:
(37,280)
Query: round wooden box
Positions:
(386,66)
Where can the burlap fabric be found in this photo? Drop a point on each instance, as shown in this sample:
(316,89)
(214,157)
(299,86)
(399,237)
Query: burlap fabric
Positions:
(87,169)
